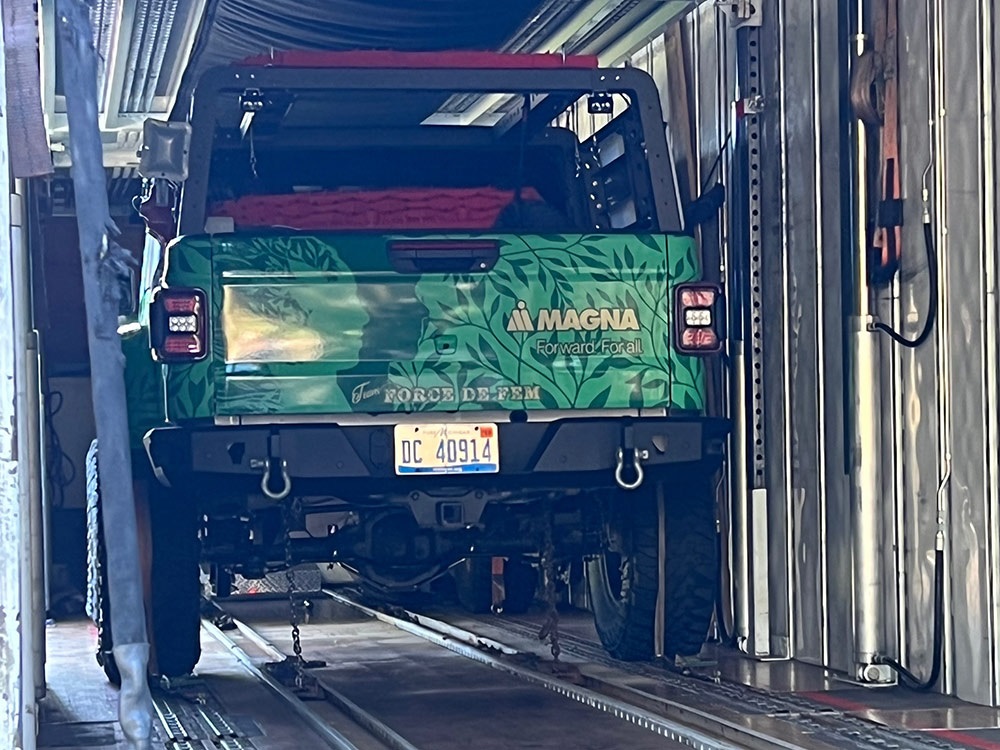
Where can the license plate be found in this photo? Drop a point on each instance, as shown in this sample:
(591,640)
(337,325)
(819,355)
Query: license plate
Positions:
(447,449)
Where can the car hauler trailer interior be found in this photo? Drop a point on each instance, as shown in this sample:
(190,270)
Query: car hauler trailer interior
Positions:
(858,504)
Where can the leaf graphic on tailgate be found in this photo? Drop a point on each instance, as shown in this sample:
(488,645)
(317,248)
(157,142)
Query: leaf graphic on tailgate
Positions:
(560,322)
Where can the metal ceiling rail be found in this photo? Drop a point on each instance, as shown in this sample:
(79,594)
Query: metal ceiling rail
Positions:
(568,37)
(137,40)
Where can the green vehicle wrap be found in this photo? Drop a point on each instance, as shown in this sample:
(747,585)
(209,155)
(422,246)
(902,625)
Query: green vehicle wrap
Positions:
(323,324)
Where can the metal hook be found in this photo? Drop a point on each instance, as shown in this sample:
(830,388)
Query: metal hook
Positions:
(266,481)
(636,465)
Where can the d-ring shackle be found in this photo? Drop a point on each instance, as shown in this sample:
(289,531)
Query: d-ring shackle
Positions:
(637,457)
(265,481)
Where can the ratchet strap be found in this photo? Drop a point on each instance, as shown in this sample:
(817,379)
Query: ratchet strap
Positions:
(886,243)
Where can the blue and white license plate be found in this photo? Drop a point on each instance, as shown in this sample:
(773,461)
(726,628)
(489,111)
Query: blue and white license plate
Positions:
(446,449)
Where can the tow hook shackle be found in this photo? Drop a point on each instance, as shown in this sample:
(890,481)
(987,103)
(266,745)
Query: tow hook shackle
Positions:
(638,456)
(286,481)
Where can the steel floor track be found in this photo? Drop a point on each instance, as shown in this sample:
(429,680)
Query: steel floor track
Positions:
(190,719)
(816,719)
(827,715)
(439,700)
(448,681)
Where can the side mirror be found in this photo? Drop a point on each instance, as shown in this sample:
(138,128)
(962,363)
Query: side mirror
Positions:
(127,296)
(165,149)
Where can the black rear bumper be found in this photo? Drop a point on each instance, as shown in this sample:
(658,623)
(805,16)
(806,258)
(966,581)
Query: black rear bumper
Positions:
(569,453)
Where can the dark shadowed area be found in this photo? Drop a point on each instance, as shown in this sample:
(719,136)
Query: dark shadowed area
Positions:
(236,29)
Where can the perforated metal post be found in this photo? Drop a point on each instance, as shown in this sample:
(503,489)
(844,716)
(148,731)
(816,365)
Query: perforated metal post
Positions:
(748,445)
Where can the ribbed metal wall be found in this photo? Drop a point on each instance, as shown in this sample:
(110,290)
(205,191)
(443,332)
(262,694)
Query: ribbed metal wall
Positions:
(934,413)
(948,398)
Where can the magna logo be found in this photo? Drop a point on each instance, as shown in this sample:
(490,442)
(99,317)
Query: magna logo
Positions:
(570,319)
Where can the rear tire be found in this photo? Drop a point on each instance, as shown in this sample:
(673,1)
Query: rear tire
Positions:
(175,598)
(692,566)
(474,585)
(624,582)
(176,580)
(97,583)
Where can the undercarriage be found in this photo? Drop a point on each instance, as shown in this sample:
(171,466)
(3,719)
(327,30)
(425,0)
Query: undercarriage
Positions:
(398,543)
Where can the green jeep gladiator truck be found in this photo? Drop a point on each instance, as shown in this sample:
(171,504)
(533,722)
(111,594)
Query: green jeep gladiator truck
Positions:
(376,327)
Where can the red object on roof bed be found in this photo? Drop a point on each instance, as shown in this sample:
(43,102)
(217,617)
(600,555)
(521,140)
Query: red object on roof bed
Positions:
(403,209)
(459,59)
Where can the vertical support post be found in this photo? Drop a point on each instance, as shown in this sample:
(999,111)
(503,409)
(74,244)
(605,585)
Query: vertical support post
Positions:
(39,587)
(740,496)
(752,616)
(17,698)
(866,517)
(26,358)
(31,656)
(103,262)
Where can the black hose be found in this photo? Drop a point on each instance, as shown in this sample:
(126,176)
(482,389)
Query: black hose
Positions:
(909,679)
(932,302)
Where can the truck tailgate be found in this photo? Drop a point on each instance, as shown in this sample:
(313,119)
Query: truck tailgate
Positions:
(334,323)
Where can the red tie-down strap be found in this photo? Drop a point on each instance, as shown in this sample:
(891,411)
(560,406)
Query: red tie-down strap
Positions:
(457,59)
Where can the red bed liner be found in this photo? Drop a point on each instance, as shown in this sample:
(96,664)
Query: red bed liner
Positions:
(401,209)
(459,59)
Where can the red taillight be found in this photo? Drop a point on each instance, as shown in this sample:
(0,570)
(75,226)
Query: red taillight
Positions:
(697,296)
(178,327)
(181,346)
(699,339)
(180,302)
(697,318)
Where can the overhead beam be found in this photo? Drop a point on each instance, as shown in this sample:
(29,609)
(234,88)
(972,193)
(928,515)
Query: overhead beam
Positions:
(610,55)
(590,13)
(641,34)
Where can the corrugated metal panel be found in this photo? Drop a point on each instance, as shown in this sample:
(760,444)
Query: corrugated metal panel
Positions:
(104,16)
(941,401)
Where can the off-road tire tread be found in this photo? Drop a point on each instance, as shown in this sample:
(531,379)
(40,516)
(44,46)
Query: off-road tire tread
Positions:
(627,631)
(176,584)
(690,574)
(692,565)
(97,584)
(176,581)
